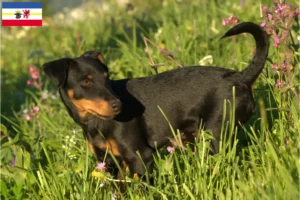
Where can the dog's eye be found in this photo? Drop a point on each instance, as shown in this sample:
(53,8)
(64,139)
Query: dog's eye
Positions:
(86,83)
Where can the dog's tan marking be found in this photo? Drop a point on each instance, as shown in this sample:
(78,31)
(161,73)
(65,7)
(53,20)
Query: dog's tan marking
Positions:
(109,145)
(99,107)
(100,57)
(91,147)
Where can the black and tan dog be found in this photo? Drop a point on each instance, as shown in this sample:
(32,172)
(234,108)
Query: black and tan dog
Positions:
(122,116)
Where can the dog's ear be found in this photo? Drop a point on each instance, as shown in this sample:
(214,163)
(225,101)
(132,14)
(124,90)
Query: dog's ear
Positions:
(57,70)
(94,54)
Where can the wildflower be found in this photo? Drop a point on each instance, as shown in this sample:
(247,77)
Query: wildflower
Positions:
(34,72)
(45,94)
(170,149)
(207,60)
(286,140)
(265,9)
(35,77)
(54,97)
(276,41)
(13,162)
(27,117)
(274,66)
(36,109)
(242,3)
(101,166)
(278,83)
(136,177)
(270,17)
(99,175)
(232,20)
(283,66)
(72,140)
(188,28)
(279,9)
(162,45)
(113,197)
(158,33)
(284,6)
(263,24)
(224,22)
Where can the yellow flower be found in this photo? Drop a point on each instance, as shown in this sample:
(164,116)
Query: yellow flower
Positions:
(136,177)
(162,45)
(98,175)
(188,28)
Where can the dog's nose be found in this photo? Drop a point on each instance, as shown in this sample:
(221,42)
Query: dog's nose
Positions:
(115,105)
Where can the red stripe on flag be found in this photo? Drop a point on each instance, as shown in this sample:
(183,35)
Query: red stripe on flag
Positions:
(22,22)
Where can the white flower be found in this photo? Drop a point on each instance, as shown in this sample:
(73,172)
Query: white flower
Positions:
(207,60)
(60,16)
(113,197)
(158,33)
(45,94)
(54,97)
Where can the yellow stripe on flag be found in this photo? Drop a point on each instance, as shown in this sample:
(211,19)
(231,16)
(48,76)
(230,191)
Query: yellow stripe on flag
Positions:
(12,14)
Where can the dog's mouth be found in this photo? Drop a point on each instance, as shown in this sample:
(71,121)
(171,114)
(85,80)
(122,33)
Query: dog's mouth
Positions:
(104,117)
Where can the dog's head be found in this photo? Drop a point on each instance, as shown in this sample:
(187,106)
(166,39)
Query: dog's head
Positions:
(85,82)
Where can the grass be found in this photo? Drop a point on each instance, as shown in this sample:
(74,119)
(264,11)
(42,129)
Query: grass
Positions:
(52,158)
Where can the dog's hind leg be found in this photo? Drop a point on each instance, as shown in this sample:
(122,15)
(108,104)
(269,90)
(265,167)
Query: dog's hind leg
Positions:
(215,125)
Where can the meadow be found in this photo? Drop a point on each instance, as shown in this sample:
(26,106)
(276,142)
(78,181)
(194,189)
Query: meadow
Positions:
(44,154)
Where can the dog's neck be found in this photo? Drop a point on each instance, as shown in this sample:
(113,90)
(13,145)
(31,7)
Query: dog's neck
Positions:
(71,107)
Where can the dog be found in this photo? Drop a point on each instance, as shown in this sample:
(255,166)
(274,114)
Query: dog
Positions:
(122,116)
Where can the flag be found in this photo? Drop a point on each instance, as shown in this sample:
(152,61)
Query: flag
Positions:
(22,14)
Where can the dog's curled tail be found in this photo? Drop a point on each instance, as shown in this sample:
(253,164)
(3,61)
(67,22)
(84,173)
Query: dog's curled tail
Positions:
(262,46)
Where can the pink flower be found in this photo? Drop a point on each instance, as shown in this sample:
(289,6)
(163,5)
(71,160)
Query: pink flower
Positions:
(279,9)
(263,24)
(284,6)
(27,117)
(270,17)
(170,149)
(28,82)
(278,83)
(101,166)
(34,72)
(276,41)
(13,162)
(224,22)
(274,66)
(283,66)
(36,109)
(265,9)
